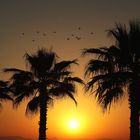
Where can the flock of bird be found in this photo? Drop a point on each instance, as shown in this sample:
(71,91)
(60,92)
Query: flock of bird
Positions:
(72,36)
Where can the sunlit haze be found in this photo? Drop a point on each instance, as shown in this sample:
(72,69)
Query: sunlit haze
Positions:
(73,124)
(66,26)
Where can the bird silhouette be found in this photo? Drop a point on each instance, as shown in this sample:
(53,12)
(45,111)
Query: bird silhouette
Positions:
(44,34)
(79,28)
(72,35)
(78,38)
(37,32)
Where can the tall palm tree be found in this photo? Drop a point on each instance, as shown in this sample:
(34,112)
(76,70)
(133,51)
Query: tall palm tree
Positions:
(116,71)
(45,80)
(4,90)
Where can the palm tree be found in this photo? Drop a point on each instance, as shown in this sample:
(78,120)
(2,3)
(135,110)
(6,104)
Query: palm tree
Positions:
(4,90)
(45,80)
(115,71)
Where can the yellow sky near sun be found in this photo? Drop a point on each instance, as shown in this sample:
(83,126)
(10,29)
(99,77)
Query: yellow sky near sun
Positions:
(92,122)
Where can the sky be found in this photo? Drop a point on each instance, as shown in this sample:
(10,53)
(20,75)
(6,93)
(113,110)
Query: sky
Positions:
(26,25)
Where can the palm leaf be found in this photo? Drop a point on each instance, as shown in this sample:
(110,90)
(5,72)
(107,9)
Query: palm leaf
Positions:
(18,100)
(3,83)
(33,105)
(74,79)
(63,65)
(69,94)
(22,93)
(92,51)
(97,66)
(4,96)
(62,88)
(15,70)
(4,90)
(112,95)
(95,80)
(40,62)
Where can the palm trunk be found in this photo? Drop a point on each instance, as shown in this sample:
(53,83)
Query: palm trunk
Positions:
(134,125)
(134,107)
(43,114)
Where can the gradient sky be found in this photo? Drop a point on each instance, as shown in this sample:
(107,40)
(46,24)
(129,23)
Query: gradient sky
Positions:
(63,17)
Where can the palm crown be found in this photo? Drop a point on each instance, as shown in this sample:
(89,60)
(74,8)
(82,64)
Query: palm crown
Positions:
(116,69)
(45,80)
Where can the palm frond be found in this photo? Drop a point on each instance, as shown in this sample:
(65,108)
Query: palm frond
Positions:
(92,51)
(119,31)
(50,101)
(21,94)
(74,79)
(41,62)
(22,77)
(18,100)
(62,88)
(57,75)
(95,80)
(60,92)
(14,70)
(69,94)
(112,95)
(3,83)
(4,96)
(33,106)
(114,80)
(63,65)
(97,66)
(108,83)
(61,74)
(113,51)
(4,90)
(27,89)
(51,82)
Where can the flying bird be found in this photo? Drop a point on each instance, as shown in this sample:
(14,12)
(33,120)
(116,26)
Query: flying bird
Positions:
(37,32)
(72,35)
(79,28)
(78,38)
(44,34)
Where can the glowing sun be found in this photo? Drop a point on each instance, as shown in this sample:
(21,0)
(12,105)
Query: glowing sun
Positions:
(73,124)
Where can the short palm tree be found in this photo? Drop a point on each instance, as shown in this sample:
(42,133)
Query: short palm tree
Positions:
(116,69)
(4,90)
(45,80)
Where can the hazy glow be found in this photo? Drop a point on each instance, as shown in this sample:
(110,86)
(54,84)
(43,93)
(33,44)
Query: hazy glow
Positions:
(73,124)
(64,120)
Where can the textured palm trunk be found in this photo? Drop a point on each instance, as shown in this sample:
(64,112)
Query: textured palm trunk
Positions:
(43,114)
(134,107)
(134,124)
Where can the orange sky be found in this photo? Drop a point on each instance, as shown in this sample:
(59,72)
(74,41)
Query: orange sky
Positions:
(64,18)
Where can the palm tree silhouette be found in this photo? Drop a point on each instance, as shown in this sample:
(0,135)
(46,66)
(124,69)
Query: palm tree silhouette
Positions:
(116,71)
(4,90)
(45,80)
